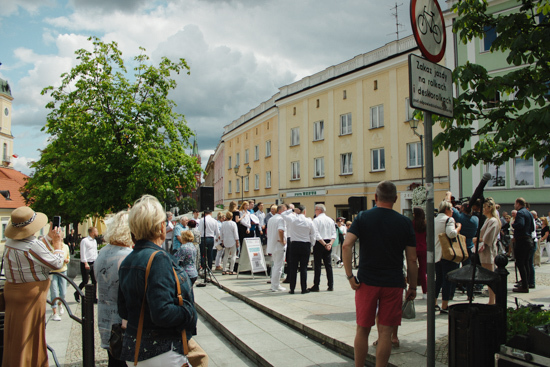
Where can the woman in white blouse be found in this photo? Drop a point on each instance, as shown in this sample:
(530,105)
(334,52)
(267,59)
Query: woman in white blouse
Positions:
(230,241)
(444,223)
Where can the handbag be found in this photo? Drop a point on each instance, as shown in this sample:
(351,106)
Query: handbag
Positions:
(453,249)
(197,356)
(408,311)
(115,341)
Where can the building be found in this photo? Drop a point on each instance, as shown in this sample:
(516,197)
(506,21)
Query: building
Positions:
(517,177)
(333,135)
(219,165)
(6,138)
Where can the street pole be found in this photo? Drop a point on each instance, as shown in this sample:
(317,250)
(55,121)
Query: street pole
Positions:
(430,238)
(423,155)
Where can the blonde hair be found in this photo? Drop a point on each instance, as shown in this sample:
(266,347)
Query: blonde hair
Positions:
(232,206)
(242,205)
(118,230)
(187,236)
(544,220)
(228,216)
(147,218)
(444,205)
(491,204)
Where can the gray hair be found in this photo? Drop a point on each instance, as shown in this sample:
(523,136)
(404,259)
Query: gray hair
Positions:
(386,192)
(444,206)
(281,207)
(321,207)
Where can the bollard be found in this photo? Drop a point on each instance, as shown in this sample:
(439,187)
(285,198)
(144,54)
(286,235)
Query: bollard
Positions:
(88,348)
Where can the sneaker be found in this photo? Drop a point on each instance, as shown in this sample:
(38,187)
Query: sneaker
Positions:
(279,289)
(340,264)
(61,309)
(56,317)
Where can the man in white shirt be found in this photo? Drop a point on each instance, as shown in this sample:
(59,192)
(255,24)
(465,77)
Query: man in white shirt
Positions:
(88,255)
(169,232)
(276,243)
(302,239)
(208,233)
(325,232)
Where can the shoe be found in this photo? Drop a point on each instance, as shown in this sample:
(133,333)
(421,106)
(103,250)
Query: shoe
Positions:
(219,268)
(291,291)
(77,297)
(424,296)
(444,311)
(286,281)
(280,289)
(307,291)
(340,264)
(520,290)
(61,310)
(269,282)
(330,289)
(437,308)
(531,286)
(56,317)
(312,289)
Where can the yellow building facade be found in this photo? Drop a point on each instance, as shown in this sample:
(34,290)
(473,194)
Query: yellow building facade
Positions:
(337,134)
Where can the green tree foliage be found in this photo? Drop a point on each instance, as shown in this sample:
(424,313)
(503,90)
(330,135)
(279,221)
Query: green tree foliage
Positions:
(187,204)
(111,139)
(509,127)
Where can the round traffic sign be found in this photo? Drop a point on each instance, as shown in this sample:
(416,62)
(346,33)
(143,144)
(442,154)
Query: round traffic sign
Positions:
(428,28)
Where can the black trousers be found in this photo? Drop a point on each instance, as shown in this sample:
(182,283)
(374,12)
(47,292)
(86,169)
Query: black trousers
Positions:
(522,252)
(298,257)
(322,255)
(86,274)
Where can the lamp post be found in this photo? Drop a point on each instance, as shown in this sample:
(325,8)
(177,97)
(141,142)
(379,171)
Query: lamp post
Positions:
(236,169)
(414,125)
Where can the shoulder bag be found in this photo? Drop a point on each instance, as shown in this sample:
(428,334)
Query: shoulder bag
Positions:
(453,249)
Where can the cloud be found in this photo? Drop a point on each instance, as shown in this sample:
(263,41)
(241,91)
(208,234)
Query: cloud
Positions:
(107,6)
(10,7)
(21,164)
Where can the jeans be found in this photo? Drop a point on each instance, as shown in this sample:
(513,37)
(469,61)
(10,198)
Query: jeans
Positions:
(207,244)
(321,254)
(297,260)
(58,287)
(442,285)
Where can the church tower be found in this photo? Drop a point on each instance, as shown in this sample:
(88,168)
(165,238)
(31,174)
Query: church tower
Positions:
(6,138)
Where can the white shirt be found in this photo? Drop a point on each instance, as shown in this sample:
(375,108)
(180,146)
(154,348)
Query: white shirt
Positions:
(169,234)
(325,227)
(273,240)
(88,250)
(301,227)
(261,216)
(212,229)
(229,233)
(245,219)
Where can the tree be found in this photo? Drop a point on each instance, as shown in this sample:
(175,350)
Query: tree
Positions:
(111,139)
(187,204)
(509,127)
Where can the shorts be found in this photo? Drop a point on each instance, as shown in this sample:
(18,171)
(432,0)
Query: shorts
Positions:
(387,300)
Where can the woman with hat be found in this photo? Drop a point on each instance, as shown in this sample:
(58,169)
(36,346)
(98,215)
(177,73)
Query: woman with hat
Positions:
(27,264)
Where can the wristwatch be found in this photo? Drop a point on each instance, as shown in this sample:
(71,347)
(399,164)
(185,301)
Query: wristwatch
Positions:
(349,277)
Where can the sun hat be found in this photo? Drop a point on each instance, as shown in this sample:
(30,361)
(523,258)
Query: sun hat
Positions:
(24,222)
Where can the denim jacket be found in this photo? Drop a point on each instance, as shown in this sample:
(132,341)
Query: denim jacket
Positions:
(164,320)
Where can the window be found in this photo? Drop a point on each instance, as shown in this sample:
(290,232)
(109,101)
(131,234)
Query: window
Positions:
(230,165)
(256,181)
(268,179)
(346,166)
(409,111)
(345,124)
(377,116)
(229,187)
(414,155)
(319,164)
(523,172)
(295,170)
(246,183)
(237,183)
(256,152)
(378,160)
(498,175)
(268,148)
(294,136)
(345,95)
(238,159)
(545,181)
(318,130)
(488,39)
(246,156)
(5,221)
(376,85)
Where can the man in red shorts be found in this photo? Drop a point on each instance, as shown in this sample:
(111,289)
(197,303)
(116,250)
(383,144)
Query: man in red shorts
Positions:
(383,236)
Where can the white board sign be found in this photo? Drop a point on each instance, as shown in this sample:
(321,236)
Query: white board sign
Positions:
(252,257)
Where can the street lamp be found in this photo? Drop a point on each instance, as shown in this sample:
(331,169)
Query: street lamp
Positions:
(236,169)
(413,123)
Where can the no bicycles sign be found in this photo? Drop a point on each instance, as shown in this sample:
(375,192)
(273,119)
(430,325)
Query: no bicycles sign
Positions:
(428,27)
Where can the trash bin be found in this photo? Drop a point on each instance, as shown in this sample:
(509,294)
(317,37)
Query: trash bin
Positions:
(476,332)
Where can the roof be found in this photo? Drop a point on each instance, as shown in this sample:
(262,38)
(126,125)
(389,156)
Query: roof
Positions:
(12,181)
(195,148)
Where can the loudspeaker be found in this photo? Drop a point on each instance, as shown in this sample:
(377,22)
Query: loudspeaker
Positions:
(357,204)
(206,198)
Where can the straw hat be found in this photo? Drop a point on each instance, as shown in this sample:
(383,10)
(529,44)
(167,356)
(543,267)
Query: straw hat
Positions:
(24,223)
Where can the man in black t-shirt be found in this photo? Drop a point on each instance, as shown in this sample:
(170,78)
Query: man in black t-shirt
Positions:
(383,236)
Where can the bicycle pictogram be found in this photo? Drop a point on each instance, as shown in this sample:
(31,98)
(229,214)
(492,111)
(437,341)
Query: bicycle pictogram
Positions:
(426,21)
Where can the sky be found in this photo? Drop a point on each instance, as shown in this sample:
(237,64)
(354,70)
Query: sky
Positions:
(240,52)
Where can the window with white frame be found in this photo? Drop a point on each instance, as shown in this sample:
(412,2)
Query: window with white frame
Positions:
(319,164)
(378,159)
(345,124)
(409,111)
(414,155)
(229,187)
(498,175)
(246,156)
(268,179)
(295,167)
(256,152)
(238,159)
(294,136)
(318,130)
(524,172)
(268,148)
(238,184)
(256,181)
(346,164)
(229,161)
(246,183)
(377,116)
